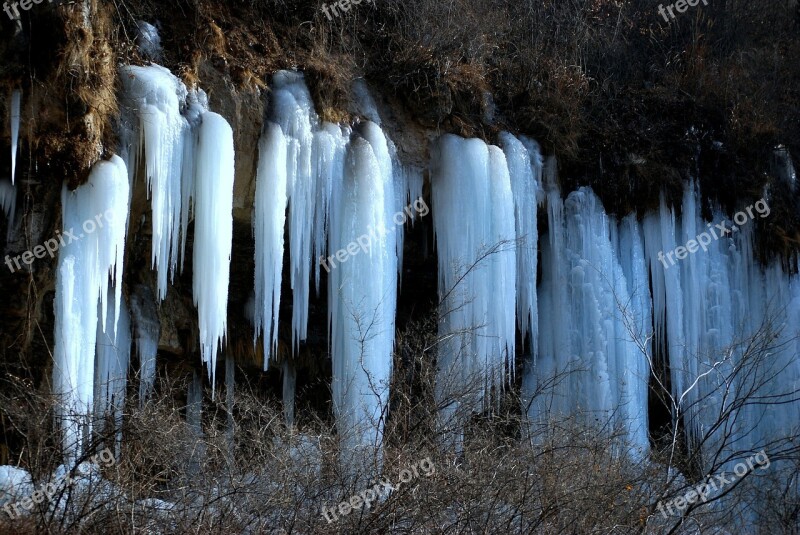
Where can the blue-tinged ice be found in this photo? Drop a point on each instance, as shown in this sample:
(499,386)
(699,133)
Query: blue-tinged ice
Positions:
(472,200)
(96,213)
(362,295)
(16,114)
(111,375)
(213,234)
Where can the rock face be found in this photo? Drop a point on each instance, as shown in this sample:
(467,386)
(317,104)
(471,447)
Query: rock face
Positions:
(62,137)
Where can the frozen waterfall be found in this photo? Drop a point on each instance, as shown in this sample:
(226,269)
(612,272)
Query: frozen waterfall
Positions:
(94,217)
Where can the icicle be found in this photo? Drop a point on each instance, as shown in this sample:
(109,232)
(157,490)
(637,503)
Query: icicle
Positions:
(213,210)
(414,183)
(111,373)
(269,219)
(147,329)
(293,111)
(525,171)
(152,100)
(477,271)
(96,212)
(362,297)
(16,105)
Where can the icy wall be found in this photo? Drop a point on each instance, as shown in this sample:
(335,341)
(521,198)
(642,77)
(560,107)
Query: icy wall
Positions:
(592,299)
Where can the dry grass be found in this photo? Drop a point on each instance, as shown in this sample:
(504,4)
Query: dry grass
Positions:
(274,479)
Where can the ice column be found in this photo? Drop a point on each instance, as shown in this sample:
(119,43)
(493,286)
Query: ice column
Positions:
(595,318)
(362,294)
(525,169)
(16,104)
(213,211)
(147,331)
(472,199)
(154,128)
(95,213)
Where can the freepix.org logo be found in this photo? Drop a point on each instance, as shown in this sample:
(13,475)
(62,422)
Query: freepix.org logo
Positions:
(52,245)
(713,484)
(364,242)
(11,7)
(47,492)
(383,487)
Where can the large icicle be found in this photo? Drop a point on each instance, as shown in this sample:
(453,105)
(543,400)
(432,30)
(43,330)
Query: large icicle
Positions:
(525,169)
(269,220)
(477,272)
(96,212)
(330,145)
(293,111)
(213,233)
(362,293)
(152,100)
(16,105)
(595,319)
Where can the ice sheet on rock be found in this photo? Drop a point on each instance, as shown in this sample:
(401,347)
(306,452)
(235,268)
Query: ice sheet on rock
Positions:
(194,420)
(364,102)
(289,377)
(15,484)
(148,40)
(213,234)
(8,200)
